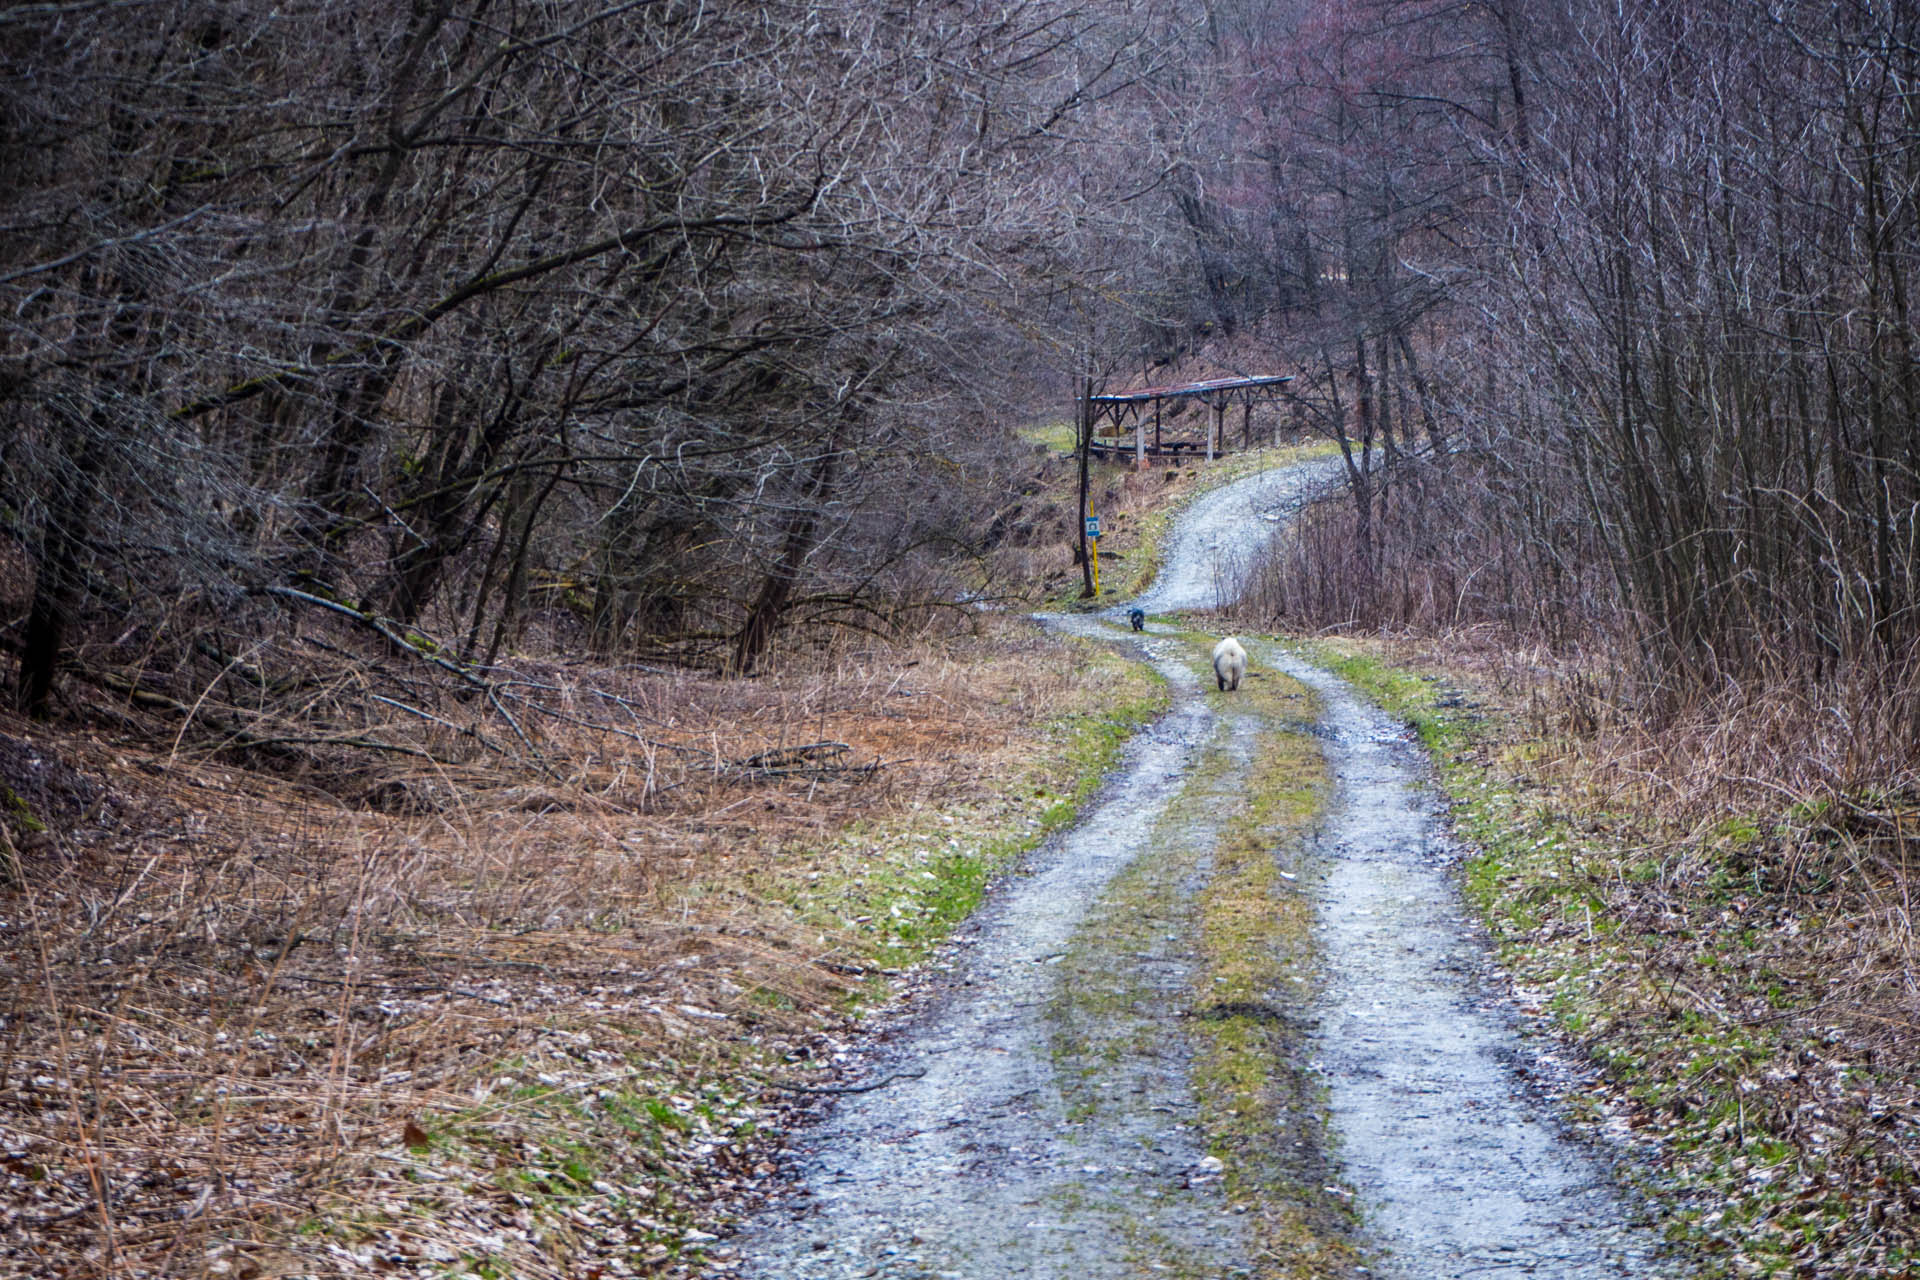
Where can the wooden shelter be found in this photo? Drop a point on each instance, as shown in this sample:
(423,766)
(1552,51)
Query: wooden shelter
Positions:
(1218,394)
(1120,408)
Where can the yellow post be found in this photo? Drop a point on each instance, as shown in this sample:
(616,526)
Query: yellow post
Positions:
(1090,530)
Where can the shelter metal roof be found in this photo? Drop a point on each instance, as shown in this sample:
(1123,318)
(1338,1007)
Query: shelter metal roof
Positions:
(1192,389)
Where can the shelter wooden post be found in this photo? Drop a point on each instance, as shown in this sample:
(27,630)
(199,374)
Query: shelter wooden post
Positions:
(1246,425)
(1139,440)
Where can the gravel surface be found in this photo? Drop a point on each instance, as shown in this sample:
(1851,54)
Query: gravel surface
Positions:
(1205,558)
(965,1164)
(960,1159)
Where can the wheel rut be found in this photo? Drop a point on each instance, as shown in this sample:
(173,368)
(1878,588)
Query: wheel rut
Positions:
(1461,1166)
(972,1163)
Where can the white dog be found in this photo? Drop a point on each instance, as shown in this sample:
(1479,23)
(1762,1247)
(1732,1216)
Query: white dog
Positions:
(1229,663)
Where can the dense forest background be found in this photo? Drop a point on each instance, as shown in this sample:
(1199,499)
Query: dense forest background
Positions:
(673,331)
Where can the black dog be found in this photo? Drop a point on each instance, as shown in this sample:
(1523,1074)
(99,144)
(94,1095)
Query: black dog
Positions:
(1138,618)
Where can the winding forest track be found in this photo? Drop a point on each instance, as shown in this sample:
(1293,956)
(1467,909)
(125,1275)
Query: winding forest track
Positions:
(998,1149)
(1209,550)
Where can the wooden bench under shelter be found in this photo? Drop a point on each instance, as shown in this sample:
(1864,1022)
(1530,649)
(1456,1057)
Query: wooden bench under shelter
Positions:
(1219,394)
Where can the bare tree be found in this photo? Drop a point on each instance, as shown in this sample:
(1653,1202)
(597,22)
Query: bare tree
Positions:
(440,315)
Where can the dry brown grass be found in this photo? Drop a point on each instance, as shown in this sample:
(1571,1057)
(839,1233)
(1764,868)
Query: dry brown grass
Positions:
(506,1019)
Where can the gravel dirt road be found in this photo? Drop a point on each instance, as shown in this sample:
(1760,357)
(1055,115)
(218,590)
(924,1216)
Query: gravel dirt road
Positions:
(973,1152)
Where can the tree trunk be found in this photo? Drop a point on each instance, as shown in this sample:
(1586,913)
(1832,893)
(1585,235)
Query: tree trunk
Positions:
(58,584)
(776,591)
(1086,450)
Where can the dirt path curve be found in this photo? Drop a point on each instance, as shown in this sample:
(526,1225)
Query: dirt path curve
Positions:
(1206,556)
(972,1159)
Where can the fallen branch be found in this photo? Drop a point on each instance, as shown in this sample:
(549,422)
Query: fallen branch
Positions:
(907,1073)
(422,989)
(380,626)
(788,757)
